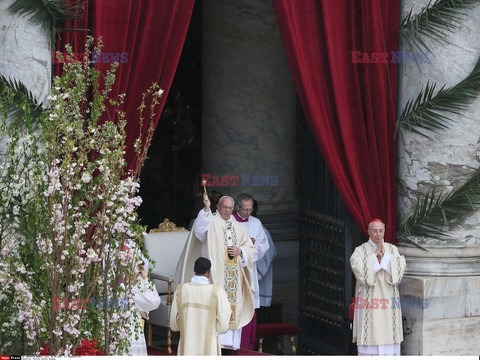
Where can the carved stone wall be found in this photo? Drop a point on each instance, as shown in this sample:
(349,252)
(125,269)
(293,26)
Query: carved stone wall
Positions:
(25,52)
(446,277)
(450,157)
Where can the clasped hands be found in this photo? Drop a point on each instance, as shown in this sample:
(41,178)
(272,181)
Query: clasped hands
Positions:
(380,251)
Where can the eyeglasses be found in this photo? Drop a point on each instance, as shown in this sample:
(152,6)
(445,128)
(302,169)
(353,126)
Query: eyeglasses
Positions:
(246,210)
(226,207)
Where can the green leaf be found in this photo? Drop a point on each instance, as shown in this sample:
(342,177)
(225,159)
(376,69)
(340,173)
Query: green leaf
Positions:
(19,95)
(434,214)
(425,111)
(49,14)
(435,22)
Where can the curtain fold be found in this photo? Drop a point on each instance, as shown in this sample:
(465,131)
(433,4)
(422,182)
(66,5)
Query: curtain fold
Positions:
(351,106)
(151,34)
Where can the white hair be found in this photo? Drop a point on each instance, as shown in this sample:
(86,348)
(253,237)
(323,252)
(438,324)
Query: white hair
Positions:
(220,201)
(370,225)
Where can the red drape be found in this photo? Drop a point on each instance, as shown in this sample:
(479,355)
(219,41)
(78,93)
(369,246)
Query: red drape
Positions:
(351,106)
(150,34)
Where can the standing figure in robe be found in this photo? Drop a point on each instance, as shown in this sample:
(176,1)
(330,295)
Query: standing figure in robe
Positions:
(221,239)
(146,299)
(200,311)
(265,267)
(378,269)
(243,214)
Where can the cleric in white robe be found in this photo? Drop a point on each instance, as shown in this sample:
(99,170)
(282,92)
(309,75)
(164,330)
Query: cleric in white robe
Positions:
(146,299)
(243,214)
(377,320)
(200,311)
(222,240)
(265,272)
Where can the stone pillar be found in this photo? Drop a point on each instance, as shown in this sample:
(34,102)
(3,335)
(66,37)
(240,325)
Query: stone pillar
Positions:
(451,156)
(248,118)
(25,55)
(25,52)
(441,285)
(441,294)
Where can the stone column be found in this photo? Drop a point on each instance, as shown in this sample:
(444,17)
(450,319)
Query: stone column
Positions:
(25,55)
(441,300)
(248,117)
(25,52)
(441,285)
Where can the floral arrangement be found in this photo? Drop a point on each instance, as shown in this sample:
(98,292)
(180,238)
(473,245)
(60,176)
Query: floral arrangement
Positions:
(88,348)
(68,226)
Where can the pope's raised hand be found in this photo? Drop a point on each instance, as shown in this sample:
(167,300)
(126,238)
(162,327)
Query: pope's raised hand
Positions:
(206,202)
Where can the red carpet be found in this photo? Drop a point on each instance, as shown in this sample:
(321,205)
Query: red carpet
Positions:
(239,352)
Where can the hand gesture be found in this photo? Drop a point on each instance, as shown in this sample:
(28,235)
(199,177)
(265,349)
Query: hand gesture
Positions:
(234,250)
(380,250)
(206,202)
(144,272)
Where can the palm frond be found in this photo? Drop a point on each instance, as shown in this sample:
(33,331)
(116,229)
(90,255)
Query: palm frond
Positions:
(49,14)
(17,99)
(434,214)
(424,112)
(420,223)
(435,22)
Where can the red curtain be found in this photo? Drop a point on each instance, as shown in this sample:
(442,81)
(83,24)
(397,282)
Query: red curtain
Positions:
(150,35)
(350,105)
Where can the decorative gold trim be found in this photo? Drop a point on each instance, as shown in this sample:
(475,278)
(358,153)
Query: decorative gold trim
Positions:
(167,226)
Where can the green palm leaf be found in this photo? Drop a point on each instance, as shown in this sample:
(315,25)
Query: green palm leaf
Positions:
(424,112)
(433,215)
(49,14)
(16,100)
(435,22)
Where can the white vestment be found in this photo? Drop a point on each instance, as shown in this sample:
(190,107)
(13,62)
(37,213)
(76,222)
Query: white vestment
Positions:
(255,229)
(146,299)
(265,272)
(209,238)
(377,322)
(200,311)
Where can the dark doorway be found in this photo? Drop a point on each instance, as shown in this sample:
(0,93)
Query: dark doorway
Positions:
(327,237)
(174,157)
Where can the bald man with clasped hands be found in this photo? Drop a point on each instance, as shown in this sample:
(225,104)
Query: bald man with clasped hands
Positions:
(378,268)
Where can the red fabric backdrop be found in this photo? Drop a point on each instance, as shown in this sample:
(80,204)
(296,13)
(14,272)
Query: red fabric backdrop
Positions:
(151,33)
(351,106)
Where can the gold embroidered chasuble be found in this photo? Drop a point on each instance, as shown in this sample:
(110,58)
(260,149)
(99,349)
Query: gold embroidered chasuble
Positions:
(229,273)
(378,317)
(200,312)
(235,279)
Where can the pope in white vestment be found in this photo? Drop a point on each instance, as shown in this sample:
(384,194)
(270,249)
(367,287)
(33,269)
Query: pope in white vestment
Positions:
(378,269)
(222,240)
(200,311)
